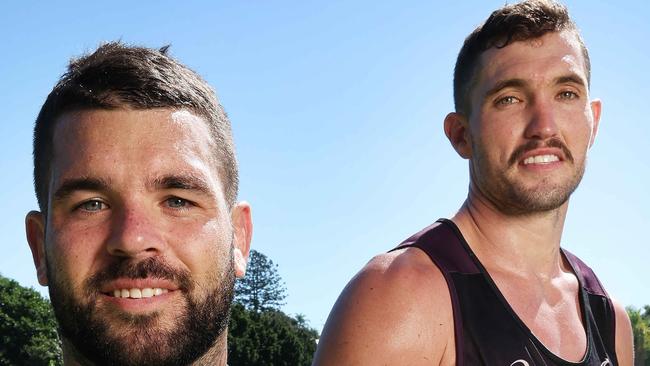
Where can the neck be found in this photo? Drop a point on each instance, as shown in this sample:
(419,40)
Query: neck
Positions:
(525,244)
(217,355)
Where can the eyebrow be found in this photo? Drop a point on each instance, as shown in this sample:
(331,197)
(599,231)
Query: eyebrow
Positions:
(70,186)
(570,78)
(186,182)
(507,83)
(521,83)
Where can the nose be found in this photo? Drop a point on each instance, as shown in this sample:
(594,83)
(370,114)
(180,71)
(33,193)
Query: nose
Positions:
(134,234)
(542,122)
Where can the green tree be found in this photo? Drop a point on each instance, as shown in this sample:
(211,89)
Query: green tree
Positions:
(262,288)
(640,319)
(269,338)
(27,327)
(259,333)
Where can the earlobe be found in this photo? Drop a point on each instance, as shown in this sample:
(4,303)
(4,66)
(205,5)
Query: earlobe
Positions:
(243,232)
(596,109)
(457,131)
(35,230)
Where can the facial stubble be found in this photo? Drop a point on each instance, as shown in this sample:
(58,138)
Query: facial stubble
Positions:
(142,339)
(509,195)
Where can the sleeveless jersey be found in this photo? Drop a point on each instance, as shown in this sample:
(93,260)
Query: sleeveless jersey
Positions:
(487,330)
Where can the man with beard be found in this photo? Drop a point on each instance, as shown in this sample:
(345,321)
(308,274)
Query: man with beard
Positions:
(139,236)
(492,286)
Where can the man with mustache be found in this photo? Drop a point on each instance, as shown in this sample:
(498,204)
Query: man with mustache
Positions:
(139,235)
(491,286)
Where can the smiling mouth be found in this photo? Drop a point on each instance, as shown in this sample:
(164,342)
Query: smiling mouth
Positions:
(541,159)
(137,293)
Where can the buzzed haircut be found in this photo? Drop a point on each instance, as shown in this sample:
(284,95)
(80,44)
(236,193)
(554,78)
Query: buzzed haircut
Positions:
(511,23)
(119,76)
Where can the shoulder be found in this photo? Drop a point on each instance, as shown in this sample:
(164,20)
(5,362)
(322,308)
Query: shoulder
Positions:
(624,337)
(396,310)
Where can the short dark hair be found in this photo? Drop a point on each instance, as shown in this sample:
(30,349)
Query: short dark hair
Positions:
(512,23)
(120,76)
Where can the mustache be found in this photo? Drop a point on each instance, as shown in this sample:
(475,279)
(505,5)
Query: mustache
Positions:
(532,145)
(151,267)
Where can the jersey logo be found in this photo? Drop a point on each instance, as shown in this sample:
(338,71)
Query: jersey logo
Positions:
(606,363)
(522,363)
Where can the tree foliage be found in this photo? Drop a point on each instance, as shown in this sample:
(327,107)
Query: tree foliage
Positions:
(269,338)
(27,327)
(262,288)
(640,319)
(259,333)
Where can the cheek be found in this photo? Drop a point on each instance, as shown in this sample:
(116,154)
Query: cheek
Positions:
(73,256)
(497,144)
(498,135)
(579,133)
(202,246)
(589,124)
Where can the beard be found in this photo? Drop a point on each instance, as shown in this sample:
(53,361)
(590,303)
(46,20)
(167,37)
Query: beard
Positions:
(129,339)
(510,195)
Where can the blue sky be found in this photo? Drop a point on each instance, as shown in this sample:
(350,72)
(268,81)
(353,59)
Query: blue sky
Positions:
(337,110)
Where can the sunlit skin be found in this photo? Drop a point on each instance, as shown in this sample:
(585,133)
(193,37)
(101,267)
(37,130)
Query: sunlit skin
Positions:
(131,185)
(528,93)
(397,310)
(528,98)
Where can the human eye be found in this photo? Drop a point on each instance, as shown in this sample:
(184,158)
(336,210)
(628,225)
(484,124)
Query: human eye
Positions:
(92,205)
(567,95)
(178,203)
(506,101)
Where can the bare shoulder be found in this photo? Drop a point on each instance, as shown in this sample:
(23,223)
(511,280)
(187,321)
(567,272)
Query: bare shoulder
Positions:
(624,337)
(395,311)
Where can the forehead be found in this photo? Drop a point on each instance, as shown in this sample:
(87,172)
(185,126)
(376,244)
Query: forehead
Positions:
(124,142)
(538,59)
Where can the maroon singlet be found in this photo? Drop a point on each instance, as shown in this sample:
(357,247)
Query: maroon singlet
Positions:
(487,330)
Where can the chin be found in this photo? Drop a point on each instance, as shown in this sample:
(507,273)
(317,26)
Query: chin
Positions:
(537,200)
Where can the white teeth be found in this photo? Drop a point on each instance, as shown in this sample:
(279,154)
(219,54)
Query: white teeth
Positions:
(147,292)
(541,159)
(136,293)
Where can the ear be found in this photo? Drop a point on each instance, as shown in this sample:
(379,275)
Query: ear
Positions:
(457,131)
(596,109)
(35,230)
(243,232)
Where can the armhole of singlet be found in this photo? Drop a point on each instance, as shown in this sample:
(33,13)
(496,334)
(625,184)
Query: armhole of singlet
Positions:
(453,295)
(582,297)
(584,302)
(579,268)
